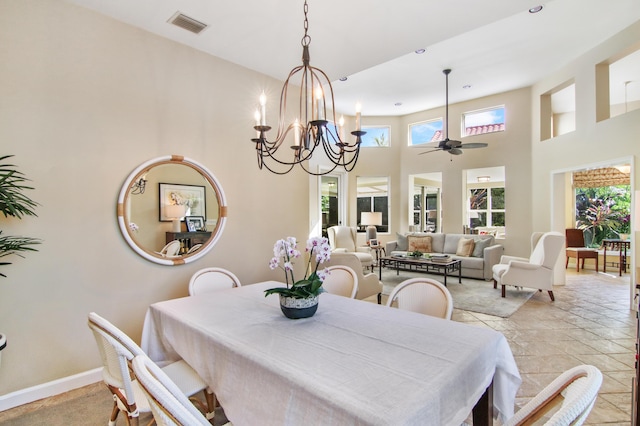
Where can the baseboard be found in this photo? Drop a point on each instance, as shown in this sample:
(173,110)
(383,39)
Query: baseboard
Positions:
(45,390)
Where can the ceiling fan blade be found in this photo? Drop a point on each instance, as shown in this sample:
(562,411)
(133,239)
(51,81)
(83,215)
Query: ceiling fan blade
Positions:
(473,145)
(455,151)
(426,152)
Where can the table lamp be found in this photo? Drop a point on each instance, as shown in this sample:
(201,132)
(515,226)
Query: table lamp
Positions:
(370,220)
(175,212)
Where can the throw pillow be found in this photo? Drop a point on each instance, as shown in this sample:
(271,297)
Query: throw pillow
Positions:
(465,247)
(422,244)
(402,243)
(481,244)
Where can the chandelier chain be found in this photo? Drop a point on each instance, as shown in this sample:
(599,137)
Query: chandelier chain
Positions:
(306,39)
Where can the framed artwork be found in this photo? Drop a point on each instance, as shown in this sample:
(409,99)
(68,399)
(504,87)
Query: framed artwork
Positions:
(373,243)
(195,223)
(191,196)
(377,136)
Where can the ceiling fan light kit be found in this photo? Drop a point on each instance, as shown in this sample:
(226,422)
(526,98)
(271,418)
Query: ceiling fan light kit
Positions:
(453,147)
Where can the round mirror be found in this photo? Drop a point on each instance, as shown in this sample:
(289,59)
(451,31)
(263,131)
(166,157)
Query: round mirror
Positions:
(171,210)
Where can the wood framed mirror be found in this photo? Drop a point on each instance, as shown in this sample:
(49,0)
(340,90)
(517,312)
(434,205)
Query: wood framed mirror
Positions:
(160,189)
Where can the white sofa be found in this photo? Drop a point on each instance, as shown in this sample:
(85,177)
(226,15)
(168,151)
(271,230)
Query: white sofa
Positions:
(478,264)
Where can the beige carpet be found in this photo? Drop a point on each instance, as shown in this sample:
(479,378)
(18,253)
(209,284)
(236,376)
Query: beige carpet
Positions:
(472,295)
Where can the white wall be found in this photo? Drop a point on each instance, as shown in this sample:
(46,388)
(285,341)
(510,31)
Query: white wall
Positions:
(83,101)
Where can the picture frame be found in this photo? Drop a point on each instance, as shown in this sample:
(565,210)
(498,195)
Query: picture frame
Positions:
(373,243)
(195,223)
(192,196)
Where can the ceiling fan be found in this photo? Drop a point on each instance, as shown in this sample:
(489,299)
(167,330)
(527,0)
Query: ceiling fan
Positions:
(453,147)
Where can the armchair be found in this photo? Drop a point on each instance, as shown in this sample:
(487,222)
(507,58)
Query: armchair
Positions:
(368,284)
(534,272)
(342,239)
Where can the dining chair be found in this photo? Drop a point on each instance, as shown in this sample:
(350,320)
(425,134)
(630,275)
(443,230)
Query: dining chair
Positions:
(567,400)
(423,295)
(194,248)
(169,406)
(171,249)
(212,279)
(341,280)
(577,249)
(117,350)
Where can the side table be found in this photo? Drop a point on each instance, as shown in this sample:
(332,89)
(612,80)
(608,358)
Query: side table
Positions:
(621,246)
(379,248)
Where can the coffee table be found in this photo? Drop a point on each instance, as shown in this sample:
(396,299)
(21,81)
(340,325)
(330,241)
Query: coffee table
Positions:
(421,264)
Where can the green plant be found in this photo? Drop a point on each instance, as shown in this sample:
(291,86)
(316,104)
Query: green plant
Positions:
(416,253)
(603,212)
(14,203)
(284,252)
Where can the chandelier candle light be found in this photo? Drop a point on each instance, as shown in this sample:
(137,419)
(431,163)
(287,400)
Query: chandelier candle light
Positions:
(310,127)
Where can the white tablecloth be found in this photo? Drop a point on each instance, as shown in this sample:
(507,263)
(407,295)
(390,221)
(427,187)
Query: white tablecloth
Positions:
(353,363)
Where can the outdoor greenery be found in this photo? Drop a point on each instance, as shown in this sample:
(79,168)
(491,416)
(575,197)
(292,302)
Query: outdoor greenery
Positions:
(603,212)
(14,203)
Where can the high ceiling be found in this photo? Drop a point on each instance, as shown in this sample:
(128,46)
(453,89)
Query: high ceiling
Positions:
(491,46)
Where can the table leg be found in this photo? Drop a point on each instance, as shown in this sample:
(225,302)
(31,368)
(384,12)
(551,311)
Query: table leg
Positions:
(380,270)
(460,273)
(604,268)
(482,411)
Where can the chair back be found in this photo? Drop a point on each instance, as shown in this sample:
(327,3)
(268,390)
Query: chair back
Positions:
(423,295)
(341,280)
(194,248)
(343,237)
(212,279)
(368,284)
(171,249)
(116,351)
(575,237)
(170,407)
(571,395)
(547,249)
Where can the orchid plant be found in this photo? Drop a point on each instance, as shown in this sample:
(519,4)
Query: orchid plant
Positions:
(284,253)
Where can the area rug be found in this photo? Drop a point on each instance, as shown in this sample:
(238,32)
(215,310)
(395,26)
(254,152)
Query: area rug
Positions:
(472,295)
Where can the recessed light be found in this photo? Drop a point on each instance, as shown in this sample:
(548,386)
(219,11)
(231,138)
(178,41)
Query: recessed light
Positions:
(421,51)
(343,78)
(466,86)
(536,9)
(398,104)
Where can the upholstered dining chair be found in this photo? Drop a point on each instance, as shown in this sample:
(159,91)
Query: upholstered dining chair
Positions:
(534,272)
(168,404)
(343,239)
(368,284)
(576,248)
(212,279)
(567,400)
(117,350)
(423,295)
(341,280)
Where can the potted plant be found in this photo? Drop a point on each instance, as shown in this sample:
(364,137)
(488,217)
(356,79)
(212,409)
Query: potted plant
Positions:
(299,299)
(14,203)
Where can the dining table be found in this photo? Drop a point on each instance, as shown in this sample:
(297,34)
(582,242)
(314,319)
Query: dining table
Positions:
(353,363)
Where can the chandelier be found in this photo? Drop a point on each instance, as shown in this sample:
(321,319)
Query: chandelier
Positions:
(310,129)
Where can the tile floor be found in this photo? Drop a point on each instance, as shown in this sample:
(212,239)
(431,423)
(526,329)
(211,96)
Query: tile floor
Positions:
(590,322)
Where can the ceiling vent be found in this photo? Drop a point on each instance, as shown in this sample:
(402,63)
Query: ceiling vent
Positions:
(187,23)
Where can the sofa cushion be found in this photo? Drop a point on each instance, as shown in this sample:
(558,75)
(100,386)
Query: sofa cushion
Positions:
(451,243)
(481,244)
(402,243)
(465,247)
(419,243)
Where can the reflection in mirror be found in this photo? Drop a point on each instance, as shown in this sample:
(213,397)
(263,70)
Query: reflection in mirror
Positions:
(485,209)
(167,200)
(427,188)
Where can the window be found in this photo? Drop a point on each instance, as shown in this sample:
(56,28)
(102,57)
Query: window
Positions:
(624,86)
(425,207)
(425,132)
(377,136)
(483,121)
(486,201)
(373,196)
